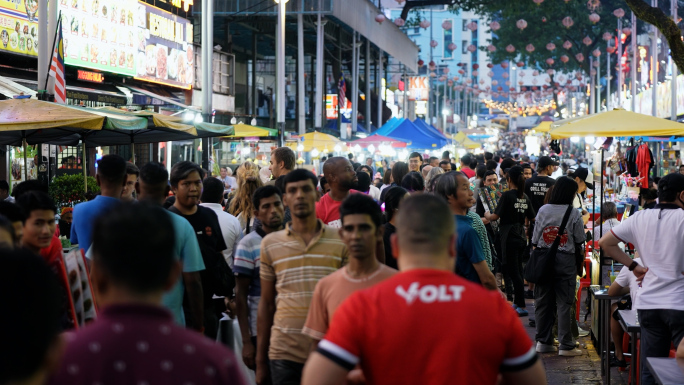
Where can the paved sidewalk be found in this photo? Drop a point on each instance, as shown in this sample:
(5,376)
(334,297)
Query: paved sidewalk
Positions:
(584,369)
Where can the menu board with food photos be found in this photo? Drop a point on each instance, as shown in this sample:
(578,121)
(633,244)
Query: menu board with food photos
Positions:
(164,50)
(99,34)
(19,26)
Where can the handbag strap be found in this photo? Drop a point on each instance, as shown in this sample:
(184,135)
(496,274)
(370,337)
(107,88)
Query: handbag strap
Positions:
(561,229)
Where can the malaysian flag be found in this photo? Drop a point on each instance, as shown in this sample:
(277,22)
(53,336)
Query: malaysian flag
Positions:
(342,90)
(57,66)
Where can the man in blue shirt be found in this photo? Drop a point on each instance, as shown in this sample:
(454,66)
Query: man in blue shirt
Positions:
(152,186)
(454,187)
(111,177)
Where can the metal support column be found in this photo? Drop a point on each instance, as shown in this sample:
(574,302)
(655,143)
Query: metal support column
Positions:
(320,60)
(608,77)
(619,64)
(255,96)
(207,72)
(380,95)
(634,61)
(355,84)
(44,46)
(673,70)
(301,106)
(367,71)
(654,66)
(280,73)
(592,87)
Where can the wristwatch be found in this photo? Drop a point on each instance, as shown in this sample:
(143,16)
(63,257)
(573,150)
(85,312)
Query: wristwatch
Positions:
(633,265)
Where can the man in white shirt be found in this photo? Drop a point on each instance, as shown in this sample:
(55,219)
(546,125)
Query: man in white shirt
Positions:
(657,235)
(212,196)
(624,283)
(229,181)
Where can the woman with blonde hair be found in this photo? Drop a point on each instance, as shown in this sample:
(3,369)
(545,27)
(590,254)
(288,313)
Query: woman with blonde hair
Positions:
(431,174)
(241,205)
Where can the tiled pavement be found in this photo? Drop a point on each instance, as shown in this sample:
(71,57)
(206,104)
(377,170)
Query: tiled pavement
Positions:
(584,369)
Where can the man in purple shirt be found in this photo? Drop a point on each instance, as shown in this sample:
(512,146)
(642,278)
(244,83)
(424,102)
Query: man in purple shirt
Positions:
(135,340)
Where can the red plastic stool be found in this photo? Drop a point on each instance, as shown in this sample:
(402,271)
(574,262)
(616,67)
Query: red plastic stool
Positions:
(584,283)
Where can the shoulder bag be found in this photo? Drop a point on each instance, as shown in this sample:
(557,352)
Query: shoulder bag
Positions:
(539,269)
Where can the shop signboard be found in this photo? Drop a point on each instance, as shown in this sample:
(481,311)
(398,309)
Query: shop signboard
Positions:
(96,97)
(130,38)
(165,54)
(419,86)
(19,26)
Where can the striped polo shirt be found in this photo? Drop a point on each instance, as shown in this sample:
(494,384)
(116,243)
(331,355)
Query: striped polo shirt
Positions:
(296,268)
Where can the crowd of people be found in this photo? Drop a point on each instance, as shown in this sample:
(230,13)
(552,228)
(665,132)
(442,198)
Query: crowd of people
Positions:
(325,276)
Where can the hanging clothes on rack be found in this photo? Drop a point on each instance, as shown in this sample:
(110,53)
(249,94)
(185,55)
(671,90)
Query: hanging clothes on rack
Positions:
(631,158)
(644,162)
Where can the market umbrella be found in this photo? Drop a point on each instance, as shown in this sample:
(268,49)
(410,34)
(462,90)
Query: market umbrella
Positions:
(544,126)
(24,121)
(377,140)
(319,141)
(243,130)
(617,122)
(462,140)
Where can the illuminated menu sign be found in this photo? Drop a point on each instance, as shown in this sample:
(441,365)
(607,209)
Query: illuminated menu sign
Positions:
(19,26)
(93,77)
(130,38)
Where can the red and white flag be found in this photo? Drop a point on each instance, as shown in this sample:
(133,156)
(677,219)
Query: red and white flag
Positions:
(57,67)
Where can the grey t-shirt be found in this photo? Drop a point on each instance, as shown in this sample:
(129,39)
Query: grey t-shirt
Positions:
(548,221)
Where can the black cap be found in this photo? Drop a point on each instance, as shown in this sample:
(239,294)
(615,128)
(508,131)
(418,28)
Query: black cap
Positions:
(546,161)
(584,175)
(671,182)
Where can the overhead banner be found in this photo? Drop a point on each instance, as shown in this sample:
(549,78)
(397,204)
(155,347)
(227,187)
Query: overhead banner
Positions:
(19,26)
(419,87)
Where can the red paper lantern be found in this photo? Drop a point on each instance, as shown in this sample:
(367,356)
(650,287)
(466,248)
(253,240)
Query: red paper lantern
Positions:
(399,22)
(627,31)
(529,48)
(420,62)
(550,61)
(521,24)
(520,64)
(587,40)
(619,13)
(424,24)
(607,36)
(551,46)
(476,66)
(446,70)
(451,46)
(564,58)
(490,65)
(579,57)
(594,18)
(433,43)
(494,26)
(472,26)
(611,49)
(447,25)
(510,48)
(567,44)
(568,22)
(471,48)
(380,18)
(596,53)
(504,65)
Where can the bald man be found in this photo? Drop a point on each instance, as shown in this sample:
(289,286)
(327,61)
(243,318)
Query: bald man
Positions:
(341,177)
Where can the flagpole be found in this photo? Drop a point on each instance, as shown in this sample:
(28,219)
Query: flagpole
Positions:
(52,52)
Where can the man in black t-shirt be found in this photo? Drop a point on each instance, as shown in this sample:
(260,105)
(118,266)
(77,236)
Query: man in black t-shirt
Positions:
(186,184)
(537,186)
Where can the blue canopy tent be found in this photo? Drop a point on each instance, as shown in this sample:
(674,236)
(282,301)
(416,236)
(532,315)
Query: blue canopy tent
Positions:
(416,137)
(332,125)
(435,132)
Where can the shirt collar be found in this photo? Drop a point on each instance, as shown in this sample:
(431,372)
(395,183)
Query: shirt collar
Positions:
(667,206)
(214,206)
(260,231)
(288,227)
(138,310)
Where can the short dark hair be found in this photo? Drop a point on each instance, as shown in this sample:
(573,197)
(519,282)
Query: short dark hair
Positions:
(28,335)
(112,169)
(608,210)
(263,193)
(361,204)
(350,156)
(526,166)
(364,181)
(446,155)
(564,191)
(212,190)
(134,246)
(154,173)
(467,159)
(488,155)
(491,165)
(365,167)
(393,197)
(415,155)
(399,170)
(132,169)
(425,224)
(508,163)
(480,171)
(35,200)
(12,212)
(285,155)
(496,158)
(444,161)
(413,181)
(29,185)
(432,158)
(4,185)
(650,194)
(680,167)
(299,175)
(181,170)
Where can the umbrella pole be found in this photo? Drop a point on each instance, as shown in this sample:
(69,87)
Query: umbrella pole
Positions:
(25,162)
(83,163)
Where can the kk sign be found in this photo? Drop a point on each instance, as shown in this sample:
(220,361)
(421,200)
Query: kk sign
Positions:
(418,88)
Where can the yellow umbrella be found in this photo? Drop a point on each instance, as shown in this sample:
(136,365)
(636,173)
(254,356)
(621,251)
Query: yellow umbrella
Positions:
(319,141)
(543,127)
(617,122)
(243,130)
(32,114)
(462,140)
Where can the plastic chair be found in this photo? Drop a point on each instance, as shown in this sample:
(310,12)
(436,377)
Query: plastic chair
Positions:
(584,284)
(625,349)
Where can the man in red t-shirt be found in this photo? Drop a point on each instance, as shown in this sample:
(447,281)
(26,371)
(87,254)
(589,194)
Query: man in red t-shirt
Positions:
(455,331)
(341,177)
(466,160)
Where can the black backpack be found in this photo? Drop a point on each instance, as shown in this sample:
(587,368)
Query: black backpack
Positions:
(217,277)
